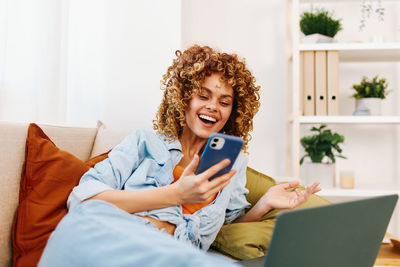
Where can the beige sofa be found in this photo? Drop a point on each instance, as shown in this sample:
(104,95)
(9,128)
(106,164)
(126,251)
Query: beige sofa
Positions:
(81,142)
(85,143)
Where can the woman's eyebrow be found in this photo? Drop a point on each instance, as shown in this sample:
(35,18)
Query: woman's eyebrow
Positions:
(230,96)
(210,92)
(206,89)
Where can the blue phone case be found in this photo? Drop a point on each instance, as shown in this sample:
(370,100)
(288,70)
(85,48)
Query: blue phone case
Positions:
(219,147)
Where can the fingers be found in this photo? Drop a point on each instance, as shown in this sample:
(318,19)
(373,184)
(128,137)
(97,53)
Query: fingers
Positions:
(220,182)
(216,185)
(290,184)
(214,169)
(191,168)
(313,188)
(301,196)
(197,188)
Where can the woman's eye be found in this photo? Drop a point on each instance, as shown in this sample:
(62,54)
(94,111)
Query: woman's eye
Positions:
(203,97)
(225,104)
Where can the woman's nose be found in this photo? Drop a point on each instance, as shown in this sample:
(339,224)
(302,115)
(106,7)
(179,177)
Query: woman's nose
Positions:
(211,105)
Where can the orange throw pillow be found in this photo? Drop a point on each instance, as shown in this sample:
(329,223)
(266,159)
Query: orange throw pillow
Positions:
(48,177)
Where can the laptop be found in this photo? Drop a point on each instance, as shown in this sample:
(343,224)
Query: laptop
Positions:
(347,234)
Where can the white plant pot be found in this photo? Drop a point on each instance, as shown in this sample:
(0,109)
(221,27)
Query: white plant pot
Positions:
(316,38)
(368,106)
(325,173)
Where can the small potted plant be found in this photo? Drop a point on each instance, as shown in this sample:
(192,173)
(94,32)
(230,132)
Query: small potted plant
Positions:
(319,26)
(322,148)
(369,95)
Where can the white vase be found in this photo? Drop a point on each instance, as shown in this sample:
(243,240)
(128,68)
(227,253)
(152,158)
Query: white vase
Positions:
(316,38)
(325,173)
(368,106)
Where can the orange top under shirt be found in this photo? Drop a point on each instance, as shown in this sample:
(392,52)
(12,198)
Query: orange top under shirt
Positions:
(189,208)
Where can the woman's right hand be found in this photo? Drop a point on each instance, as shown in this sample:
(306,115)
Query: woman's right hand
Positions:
(192,188)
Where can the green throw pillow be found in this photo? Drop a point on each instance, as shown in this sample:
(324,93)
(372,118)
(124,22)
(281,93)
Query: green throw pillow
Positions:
(251,239)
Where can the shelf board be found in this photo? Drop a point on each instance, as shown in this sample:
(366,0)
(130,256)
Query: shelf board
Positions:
(336,1)
(359,52)
(338,192)
(350,119)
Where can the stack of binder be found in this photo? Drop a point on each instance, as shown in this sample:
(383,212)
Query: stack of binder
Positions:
(320,82)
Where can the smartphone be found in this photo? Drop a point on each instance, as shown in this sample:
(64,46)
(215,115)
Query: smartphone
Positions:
(219,147)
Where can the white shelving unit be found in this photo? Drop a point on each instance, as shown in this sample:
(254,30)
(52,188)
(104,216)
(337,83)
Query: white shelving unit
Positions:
(349,119)
(349,53)
(359,52)
(358,193)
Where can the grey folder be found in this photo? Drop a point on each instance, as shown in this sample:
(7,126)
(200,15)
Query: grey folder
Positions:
(339,235)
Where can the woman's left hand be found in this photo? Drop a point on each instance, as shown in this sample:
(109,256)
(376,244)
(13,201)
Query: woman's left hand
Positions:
(278,197)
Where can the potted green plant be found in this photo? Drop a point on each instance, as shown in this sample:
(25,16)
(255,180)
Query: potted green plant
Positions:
(319,26)
(322,148)
(369,95)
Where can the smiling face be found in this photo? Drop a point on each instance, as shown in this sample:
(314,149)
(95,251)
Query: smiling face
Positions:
(208,111)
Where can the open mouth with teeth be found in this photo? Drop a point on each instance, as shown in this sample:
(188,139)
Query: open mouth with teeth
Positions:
(207,119)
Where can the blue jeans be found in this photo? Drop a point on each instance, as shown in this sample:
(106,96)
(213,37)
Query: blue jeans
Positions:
(97,233)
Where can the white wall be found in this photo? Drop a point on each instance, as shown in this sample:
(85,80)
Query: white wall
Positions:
(141,39)
(116,59)
(254,30)
(29,62)
(83,60)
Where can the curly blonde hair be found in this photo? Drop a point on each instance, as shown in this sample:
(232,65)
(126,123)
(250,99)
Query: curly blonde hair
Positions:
(183,80)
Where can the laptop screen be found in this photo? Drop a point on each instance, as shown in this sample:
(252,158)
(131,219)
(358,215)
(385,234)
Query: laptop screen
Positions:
(344,234)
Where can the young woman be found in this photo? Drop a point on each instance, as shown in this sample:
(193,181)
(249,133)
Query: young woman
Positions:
(148,184)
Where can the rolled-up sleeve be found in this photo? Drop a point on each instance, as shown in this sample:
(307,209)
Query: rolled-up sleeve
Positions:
(109,174)
(238,203)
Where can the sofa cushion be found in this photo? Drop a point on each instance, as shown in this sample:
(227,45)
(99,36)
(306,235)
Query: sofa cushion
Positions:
(250,240)
(77,140)
(48,176)
(107,138)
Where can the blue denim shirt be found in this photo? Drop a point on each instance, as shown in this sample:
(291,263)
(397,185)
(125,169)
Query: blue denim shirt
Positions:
(144,160)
